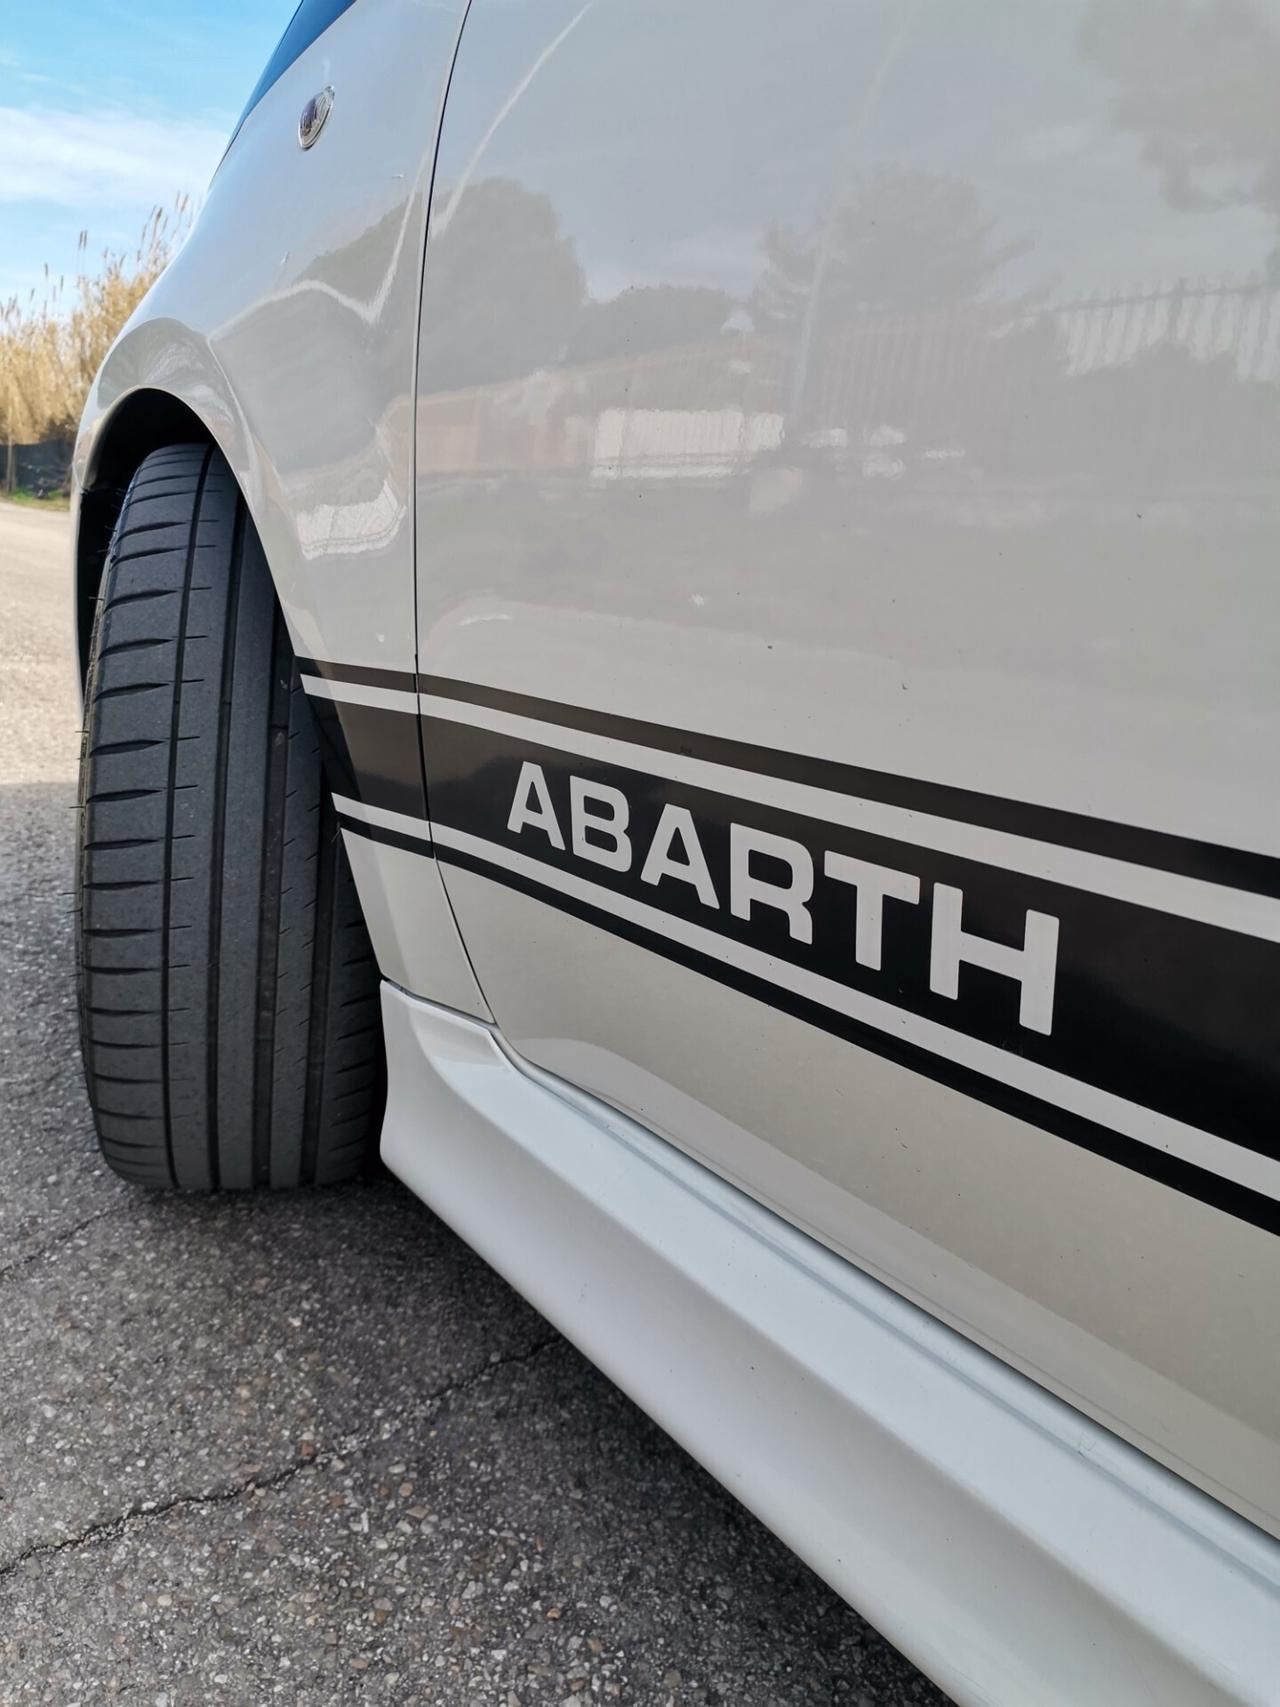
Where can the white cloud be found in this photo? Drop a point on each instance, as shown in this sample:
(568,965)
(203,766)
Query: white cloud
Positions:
(107,158)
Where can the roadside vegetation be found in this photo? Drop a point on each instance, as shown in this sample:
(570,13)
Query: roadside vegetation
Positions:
(52,344)
(37,499)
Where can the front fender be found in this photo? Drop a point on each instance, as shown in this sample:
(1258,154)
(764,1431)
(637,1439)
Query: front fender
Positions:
(285,331)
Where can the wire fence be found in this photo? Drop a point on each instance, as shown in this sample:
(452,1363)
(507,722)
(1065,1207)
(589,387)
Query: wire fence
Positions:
(1175,387)
(42,468)
(1205,319)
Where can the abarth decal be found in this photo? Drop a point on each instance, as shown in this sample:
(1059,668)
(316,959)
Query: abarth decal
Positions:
(1109,983)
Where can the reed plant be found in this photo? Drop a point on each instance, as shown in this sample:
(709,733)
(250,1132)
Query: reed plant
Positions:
(53,343)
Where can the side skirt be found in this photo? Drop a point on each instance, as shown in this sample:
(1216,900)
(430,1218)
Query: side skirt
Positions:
(1015,1550)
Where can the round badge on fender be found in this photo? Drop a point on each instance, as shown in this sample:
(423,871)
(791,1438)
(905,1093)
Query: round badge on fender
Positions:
(314,116)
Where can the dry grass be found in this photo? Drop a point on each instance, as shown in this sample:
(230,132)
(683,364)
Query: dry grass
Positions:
(52,345)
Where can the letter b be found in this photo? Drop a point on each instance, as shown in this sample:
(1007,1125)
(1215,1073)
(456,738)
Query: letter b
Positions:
(611,826)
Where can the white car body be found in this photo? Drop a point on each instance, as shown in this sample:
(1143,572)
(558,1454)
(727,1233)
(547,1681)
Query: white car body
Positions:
(783,536)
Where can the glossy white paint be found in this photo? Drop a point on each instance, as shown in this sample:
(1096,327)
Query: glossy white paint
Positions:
(847,380)
(412,931)
(1015,1551)
(288,325)
(839,379)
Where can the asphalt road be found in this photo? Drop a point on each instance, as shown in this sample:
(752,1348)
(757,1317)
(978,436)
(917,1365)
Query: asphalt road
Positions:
(309,1448)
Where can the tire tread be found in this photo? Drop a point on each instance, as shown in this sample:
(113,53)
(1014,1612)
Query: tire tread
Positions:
(214,898)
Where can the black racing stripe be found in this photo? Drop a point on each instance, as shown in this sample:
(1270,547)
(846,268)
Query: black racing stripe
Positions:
(335,755)
(1209,1188)
(360,675)
(387,838)
(371,754)
(1236,867)
(1172,1014)
(385,763)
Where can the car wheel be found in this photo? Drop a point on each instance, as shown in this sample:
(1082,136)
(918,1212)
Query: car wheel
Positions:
(228,994)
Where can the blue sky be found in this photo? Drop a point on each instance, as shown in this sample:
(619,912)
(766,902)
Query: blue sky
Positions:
(108,107)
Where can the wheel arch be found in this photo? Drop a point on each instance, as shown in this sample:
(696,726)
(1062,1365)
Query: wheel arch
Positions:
(143,420)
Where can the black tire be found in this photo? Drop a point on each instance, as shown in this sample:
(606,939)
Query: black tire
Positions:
(228,994)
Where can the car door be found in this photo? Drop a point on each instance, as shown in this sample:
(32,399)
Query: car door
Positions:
(846,485)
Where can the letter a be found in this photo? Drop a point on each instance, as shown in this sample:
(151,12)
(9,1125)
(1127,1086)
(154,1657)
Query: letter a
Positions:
(532,806)
(675,823)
